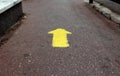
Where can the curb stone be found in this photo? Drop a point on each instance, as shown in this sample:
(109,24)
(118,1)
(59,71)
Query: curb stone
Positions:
(115,18)
(7,4)
(105,11)
(10,12)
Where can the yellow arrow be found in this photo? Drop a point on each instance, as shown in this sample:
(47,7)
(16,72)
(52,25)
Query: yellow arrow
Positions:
(60,37)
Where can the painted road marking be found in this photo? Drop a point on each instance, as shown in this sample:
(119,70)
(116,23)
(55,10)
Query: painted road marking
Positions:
(60,37)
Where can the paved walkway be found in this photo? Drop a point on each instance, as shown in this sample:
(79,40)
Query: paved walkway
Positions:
(94,43)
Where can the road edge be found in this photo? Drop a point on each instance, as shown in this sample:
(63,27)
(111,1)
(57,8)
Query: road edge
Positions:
(105,11)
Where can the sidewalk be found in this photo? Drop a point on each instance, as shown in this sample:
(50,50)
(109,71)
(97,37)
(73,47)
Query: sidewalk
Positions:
(110,4)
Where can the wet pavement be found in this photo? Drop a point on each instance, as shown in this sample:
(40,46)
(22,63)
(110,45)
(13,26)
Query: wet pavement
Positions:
(94,43)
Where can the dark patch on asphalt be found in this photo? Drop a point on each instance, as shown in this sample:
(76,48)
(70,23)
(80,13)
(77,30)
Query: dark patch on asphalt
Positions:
(26,55)
(105,63)
(105,67)
(42,45)
(117,61)
(27,63)
(107,59)
(24,74)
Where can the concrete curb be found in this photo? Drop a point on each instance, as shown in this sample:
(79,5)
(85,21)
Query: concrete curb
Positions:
(105,11)
(7,4)
(10,13)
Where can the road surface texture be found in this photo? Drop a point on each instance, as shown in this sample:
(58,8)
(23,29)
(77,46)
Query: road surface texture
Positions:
(94,43)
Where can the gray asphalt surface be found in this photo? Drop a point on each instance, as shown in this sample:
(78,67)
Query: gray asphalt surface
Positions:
(94,44)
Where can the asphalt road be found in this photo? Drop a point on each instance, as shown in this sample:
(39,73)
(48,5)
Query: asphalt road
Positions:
(94,43)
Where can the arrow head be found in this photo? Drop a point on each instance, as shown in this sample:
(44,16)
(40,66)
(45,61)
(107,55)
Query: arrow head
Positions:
(59,31)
